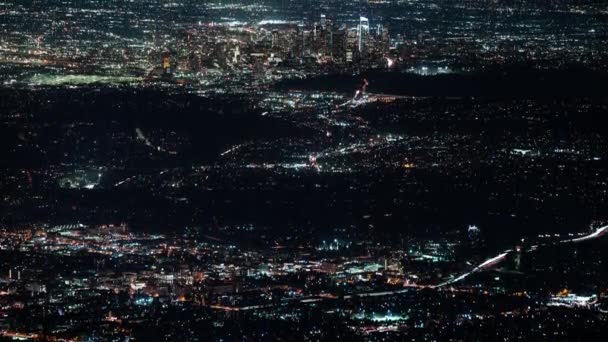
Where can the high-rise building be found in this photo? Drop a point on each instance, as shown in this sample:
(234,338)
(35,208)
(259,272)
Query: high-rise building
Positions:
(362,33)
(275,39)
(184,41)
(323,37)
(166,62)
(338,46)
(352,44)
(307,42)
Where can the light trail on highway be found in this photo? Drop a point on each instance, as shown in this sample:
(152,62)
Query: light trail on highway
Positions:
(501,257)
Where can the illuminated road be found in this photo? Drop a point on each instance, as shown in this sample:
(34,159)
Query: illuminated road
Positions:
(488,264)
(481,267)
(597,234)
(313,299)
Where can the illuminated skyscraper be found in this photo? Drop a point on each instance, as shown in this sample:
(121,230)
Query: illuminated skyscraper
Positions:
(338,46)
(184,47)
(362,33)
(166,62)
(351,44)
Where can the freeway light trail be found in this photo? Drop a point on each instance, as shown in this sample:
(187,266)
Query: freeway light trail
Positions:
(501,257)
(598,233)
(483,266)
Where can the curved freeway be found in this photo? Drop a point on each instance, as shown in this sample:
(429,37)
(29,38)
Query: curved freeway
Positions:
(501,257)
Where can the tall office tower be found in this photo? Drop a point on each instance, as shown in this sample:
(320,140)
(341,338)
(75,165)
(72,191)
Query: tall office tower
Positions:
(299,41)
(307,42)
(275,39)
(338,46)
(166,62)
(236,55)
(328,38)
(385,40)
(322,37)
(352,44)
(184,48)
(362,33)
